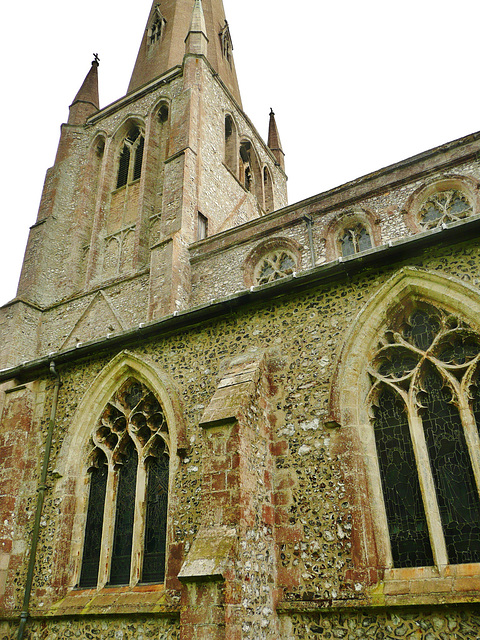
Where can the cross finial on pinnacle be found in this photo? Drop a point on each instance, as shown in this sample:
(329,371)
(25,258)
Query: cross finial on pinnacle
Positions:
(96,59)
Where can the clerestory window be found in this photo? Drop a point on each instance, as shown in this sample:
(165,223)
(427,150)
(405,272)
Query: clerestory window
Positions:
(274,265)
(425,407)
(355,239)
(443,207)
(131,158)
(128,494)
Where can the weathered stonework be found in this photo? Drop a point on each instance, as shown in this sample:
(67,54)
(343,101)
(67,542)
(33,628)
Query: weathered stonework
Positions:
(276,525)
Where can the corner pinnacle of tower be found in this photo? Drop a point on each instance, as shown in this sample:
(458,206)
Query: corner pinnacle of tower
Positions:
(197,40)
(86,102)
(274,143)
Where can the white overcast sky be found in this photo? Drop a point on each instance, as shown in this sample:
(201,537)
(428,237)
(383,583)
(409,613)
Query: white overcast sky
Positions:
(355,86)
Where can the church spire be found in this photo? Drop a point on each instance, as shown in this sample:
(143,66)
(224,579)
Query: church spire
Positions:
(274,143)
(86,102)
(170,27)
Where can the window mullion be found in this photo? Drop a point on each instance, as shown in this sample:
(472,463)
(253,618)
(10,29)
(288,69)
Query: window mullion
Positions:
(471,434)
(108,522)
(432,512)
(139,523)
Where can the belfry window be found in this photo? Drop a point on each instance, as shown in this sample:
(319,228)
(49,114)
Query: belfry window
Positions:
(129,474)
(226,42)
(157,27)
(425,400)
(354,240)
(131,158)
(443,207)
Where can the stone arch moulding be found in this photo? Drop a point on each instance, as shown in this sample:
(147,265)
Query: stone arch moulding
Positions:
(71,488)
(122,367)
(409,283)
(355,439)
(269,246)
(465,184)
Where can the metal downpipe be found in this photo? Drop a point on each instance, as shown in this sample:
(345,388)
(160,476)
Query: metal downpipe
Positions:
(39,508)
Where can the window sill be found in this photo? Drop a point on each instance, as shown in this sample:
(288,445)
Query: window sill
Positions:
(145,598)
(453,582)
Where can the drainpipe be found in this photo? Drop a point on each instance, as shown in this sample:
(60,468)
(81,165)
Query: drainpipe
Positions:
(309,220)
(39,508)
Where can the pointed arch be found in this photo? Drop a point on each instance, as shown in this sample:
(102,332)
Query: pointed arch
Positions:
(408,285)
(158,462)
(385,417)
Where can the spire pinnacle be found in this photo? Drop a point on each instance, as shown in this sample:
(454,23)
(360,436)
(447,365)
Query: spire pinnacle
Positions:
(86,102)
(197,40)
(274,143)
(199,26)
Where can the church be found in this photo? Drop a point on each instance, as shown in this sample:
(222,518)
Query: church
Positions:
(224,417)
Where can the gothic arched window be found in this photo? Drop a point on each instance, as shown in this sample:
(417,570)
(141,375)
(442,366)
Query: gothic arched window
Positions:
(425,400)
(443,207)
(354,239)
(129,474)
(131,158)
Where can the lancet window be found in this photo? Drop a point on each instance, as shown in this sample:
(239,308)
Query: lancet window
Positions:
(425,409)
(131,158)
(128,493)
(355,239)
(443,207)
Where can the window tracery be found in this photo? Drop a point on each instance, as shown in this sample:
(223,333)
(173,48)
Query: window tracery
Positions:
(275,265)
(354,239)
(129,476)
(156,30)
(443,207)
(424,403)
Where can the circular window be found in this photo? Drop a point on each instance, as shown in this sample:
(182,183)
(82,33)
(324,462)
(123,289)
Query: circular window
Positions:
(444,207)
(275,265)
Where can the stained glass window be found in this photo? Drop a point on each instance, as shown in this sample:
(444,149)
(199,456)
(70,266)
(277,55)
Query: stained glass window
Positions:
(132,435)
(94,526)
(156,519)
(122,541)
(421,375)
(401,489)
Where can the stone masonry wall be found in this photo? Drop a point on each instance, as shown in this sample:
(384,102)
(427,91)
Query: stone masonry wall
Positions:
(314,532)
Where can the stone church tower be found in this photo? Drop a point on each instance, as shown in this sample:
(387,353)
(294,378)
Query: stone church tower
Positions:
(226,418)
(134,184)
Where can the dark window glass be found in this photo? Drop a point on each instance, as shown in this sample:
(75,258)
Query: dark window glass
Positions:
(123,167)
(401,489)
(156,520)
(355,240)
(93,530)
(457,494)
(137,169)
(122,540)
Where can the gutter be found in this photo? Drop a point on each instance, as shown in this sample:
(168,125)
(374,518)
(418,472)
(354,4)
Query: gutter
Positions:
(374,258)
